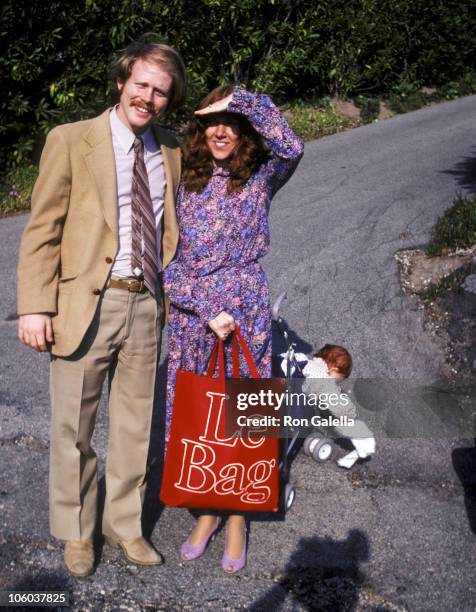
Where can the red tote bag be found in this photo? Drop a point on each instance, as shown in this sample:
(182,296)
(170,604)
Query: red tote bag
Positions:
(205,468)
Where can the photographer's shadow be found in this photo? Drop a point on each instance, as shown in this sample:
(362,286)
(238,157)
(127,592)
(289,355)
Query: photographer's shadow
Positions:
(322,574)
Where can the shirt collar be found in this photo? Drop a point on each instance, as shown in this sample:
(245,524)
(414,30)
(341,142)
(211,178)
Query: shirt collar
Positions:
(126,137)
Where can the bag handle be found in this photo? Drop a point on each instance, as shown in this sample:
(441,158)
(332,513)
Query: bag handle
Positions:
(217,353)
(239,342)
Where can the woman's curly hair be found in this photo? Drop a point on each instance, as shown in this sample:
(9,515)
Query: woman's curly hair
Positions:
(244,161)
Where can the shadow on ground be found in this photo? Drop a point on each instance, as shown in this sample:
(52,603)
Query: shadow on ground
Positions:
(44,581)
(464,463)
(153,507)
(322,574)
(464,172)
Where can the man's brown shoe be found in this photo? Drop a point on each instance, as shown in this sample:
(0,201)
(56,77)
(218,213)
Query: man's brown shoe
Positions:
(137,550)
(79,557)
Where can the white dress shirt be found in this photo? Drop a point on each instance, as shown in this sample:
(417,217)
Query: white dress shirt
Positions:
(122,142)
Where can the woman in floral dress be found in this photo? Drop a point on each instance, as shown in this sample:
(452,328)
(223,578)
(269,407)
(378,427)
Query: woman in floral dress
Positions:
(237,153)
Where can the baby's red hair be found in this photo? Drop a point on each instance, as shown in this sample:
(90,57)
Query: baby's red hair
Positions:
(336,357)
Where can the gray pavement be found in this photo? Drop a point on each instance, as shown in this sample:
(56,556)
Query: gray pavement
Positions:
(398,532)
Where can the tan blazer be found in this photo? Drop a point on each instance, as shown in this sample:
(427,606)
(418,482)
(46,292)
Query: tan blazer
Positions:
(71,238)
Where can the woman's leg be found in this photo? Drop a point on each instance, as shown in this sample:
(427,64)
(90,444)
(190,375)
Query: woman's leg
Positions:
(196,543)
(204,525)
(235,536)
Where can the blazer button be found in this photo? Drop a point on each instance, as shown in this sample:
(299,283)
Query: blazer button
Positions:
(108,259)
(97,291)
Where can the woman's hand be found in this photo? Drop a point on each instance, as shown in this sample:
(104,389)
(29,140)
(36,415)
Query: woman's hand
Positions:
(223,324)
(216,107)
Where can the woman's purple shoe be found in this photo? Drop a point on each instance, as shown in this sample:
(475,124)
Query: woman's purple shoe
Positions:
(231,566)
(188,551)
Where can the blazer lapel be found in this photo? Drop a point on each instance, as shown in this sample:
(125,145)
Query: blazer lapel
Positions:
(102,166)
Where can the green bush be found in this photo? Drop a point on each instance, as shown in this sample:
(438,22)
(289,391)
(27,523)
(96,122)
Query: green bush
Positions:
(16,187)
(314,120)
(404,103)
(54,56)
(406,97)
(369,108)
(464,86)
(456,228)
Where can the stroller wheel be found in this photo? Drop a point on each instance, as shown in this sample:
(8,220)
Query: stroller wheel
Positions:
(322,450)
(309,444)
(289,496)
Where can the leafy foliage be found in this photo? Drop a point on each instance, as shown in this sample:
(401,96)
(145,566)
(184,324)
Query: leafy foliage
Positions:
(456,228)
(54,56)
(369,108)
(312,121)
(16,188)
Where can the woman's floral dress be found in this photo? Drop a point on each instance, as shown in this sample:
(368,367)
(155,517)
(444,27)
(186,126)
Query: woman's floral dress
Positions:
(222,238)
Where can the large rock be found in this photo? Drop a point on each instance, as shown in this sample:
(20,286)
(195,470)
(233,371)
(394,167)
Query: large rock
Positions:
(419,272)
(384,112)
(347,108)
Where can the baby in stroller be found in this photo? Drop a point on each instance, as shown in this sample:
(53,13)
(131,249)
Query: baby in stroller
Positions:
(334,364)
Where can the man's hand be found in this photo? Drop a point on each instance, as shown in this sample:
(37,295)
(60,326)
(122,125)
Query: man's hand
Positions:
(223,324)
(35,330)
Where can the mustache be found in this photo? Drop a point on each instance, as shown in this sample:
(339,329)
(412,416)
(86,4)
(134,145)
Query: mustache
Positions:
(147,105)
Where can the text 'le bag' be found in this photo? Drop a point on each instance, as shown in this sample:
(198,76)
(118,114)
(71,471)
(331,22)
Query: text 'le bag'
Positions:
(205,468)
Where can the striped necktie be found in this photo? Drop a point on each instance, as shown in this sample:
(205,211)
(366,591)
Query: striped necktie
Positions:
(144,233)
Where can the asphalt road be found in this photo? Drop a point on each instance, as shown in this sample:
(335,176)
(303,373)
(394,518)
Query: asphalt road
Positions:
(398,532)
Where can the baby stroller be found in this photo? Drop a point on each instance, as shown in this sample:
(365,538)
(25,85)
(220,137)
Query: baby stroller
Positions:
(317,444)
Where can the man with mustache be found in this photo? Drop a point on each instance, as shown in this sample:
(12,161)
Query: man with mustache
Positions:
(102,227)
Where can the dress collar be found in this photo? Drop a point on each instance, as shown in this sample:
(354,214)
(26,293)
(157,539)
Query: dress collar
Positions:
(220,171)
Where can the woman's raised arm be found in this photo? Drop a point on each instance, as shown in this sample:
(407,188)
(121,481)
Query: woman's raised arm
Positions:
(285,146)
